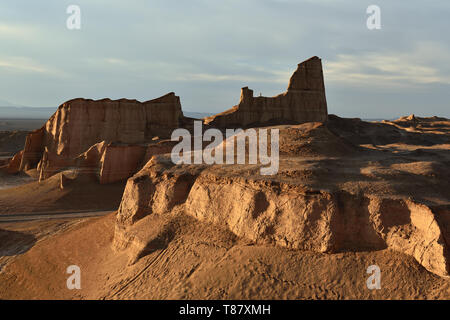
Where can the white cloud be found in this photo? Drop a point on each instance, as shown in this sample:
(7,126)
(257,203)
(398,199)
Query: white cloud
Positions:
(115,61)
(273,77)
(426,64)
(13,31)
(24,64)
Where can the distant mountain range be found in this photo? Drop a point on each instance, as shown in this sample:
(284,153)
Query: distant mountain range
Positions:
(16,112)
(26,112)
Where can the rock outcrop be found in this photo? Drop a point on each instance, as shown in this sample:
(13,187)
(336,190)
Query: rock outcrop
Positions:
(333,192)
(14,163)
(125,126)
(285,214)
(114,138)
(304,101)
(32,152)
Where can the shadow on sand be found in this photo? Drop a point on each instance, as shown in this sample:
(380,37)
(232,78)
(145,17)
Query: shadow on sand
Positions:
(13,243)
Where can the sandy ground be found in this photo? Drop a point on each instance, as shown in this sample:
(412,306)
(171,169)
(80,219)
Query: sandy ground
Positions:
(196,260)
(202,262)
(82,194)
(10,181)
(18,238)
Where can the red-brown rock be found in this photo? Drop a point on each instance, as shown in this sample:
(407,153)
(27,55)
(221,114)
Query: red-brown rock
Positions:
(304,101)
(79,124)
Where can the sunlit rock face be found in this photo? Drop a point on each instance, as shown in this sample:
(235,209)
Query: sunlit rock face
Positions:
(115,138)
(79,124)
(304,101)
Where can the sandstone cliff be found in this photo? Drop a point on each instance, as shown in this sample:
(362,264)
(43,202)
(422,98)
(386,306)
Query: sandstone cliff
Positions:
(79,124)
(353,198)
(304,101)
(114,138)
(286,214)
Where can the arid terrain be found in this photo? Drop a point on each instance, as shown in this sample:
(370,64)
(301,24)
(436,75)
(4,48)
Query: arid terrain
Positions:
(96,187)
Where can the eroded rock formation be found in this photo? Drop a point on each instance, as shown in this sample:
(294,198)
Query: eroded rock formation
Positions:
(322,200)
(126,128)
(14,164)
(114,138)
(304,101)
(286,214)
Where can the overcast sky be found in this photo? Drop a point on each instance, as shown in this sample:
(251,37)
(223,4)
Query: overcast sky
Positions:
(206,50)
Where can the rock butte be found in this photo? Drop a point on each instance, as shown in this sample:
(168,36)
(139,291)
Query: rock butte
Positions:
(109,138)
(304,101)
(126,129)
(329,195)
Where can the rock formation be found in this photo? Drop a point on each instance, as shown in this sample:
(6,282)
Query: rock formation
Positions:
(115,138)
(32,151)
(340,185)
(304,101)
(125,126)
(286,214)
(14,163)
(323,200)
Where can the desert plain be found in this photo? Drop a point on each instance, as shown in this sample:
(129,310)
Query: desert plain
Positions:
(96,187)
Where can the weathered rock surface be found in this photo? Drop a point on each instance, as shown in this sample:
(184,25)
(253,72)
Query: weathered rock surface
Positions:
(304,101)
(319,201)
(79,124)
(291,216)
(120,161)
(125,130)
(33,149)
(14,163)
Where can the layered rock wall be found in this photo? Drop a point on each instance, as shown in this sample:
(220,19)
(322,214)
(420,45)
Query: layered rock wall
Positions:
(304,101)
(14,164)
(33,148)
(120,162)
(79,124)
(287,215)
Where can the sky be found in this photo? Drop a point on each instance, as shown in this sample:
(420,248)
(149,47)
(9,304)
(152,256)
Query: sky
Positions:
(206,50)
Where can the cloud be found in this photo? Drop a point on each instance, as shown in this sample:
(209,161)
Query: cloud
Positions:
(115,61)
(28,65)
(206,50)
(16,31)
(391,68)
(271,77)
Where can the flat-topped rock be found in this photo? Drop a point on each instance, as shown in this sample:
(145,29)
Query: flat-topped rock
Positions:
(79,124)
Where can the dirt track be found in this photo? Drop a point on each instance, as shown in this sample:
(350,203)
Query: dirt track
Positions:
(51,215)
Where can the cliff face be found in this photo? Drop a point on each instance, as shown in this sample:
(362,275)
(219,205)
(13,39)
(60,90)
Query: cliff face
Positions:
(286,214)
(304,101)
(127,127)
(79,124)
(333,192)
